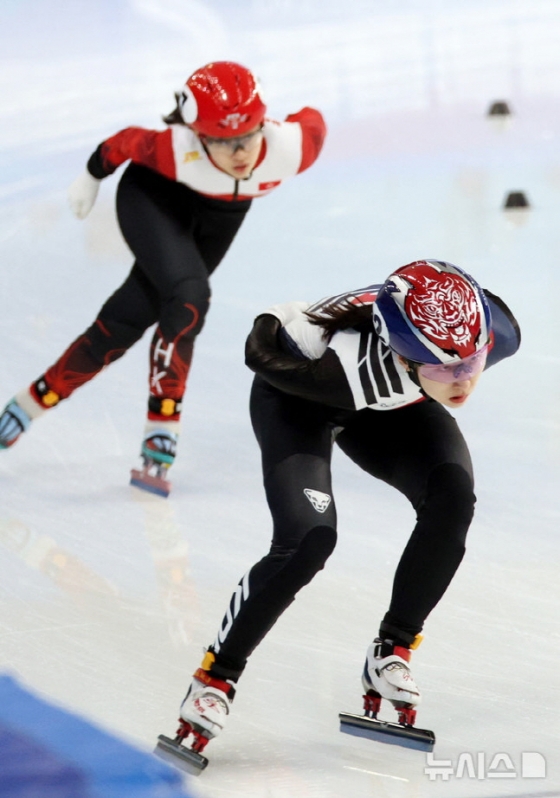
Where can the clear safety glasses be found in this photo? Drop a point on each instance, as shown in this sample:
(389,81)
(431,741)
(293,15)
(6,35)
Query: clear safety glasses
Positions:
(246,142)
(460,371)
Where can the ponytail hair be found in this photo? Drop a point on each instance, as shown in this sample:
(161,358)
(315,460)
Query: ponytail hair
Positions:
(342,316)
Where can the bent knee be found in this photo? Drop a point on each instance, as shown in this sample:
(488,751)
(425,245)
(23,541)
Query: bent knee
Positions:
(191,290)
(184,313)
(310,555)
(318,545)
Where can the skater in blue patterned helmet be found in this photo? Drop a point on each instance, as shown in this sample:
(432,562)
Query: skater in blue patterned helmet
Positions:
(438,321)
(330,372)
(180,203)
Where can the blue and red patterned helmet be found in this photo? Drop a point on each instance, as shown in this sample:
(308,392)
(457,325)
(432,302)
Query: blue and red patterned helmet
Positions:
(431,311)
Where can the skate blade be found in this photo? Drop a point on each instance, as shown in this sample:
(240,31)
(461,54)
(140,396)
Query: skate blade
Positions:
(176,754)
(157,485)
(386,732)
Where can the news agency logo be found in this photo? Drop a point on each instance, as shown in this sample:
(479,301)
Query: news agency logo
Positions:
(531,765)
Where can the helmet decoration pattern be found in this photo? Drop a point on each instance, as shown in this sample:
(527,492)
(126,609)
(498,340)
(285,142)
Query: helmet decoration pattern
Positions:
(222,100)
(432,312)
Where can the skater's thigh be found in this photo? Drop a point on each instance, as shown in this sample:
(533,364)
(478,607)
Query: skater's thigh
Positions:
(296,445)
(216,228)
(402,447)
(156,216)
(134,303)
(286,425)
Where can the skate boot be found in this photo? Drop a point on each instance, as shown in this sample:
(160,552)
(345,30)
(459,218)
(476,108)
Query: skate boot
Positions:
(13,421)
(159,448)
(387,675)
(18,415)
(203,715)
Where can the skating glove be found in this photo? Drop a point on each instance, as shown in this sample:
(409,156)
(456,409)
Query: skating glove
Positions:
(287,311)
(82,194)
(307,339)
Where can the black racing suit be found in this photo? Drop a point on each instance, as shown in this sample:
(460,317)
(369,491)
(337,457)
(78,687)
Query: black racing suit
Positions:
(298,409)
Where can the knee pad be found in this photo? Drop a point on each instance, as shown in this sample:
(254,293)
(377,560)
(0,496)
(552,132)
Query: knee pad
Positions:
(312,554)
(183,315)
(296,567)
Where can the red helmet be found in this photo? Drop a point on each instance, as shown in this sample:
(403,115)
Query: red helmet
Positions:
(222,99)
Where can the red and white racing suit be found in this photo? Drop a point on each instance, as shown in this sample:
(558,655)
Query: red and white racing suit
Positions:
(178,213)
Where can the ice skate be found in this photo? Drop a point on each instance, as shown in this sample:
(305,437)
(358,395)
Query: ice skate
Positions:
(203,715)
(17,416)
(158,452)
(13,422)
(387,675)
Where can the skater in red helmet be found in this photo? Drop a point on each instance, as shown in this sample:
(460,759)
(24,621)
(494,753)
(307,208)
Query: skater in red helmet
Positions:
(180,203)
(373,370)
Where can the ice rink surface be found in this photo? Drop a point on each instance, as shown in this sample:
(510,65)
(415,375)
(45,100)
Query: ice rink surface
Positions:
(107,595)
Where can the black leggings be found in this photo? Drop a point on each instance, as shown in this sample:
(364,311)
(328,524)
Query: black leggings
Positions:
(417,449)
(178,238)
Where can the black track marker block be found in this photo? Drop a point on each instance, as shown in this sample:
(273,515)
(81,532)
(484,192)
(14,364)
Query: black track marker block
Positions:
(516,199)
(499,108)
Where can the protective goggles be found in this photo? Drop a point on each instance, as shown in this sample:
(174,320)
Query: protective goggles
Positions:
(246,142)
(460,371)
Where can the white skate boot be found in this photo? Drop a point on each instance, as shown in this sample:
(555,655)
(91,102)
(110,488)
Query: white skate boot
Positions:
(206,706)
(203,715)
(13,422)
(387,674)
(17,416)
(159,448)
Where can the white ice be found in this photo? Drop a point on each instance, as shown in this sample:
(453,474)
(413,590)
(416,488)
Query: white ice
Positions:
(108,595)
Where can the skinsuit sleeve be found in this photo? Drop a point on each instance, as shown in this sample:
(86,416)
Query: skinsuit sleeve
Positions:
(151,148)
(313,131)
(322,380)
